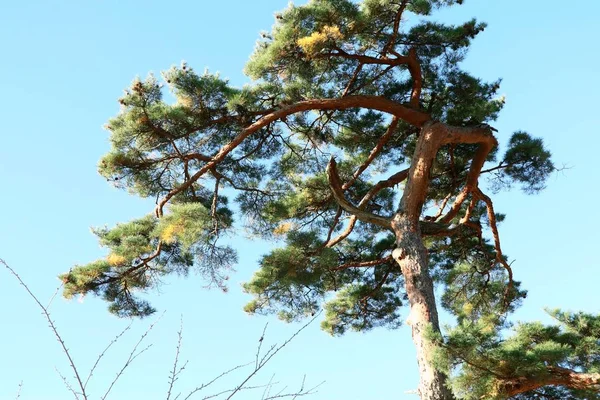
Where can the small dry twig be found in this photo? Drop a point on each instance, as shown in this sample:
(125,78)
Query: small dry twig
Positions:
(18,396)
(132,356)
(46,314)
(175,372)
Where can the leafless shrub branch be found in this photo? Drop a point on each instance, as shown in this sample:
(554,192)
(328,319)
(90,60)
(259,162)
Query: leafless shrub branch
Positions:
(18,396)
(132,356)
(260,360)
(46,315)
(115,340)
(175,372)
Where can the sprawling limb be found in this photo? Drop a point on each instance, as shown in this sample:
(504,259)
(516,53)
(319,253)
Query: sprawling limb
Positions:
(338,194)
(555,376)
(414,117)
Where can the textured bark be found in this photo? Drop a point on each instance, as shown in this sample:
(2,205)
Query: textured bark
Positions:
(556,376)
(410,252)
(408,114)
(411,255)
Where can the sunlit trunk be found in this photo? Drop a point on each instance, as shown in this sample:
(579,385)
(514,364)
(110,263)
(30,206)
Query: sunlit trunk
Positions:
(411,255)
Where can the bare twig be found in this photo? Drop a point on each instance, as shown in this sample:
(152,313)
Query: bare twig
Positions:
(104,352)
(54,295)
(260,342)
(18,396)
(67,384)
(267,391)
(269,355)
(132,356)
(174,375)
(216,378)
(299,393)
(46,314)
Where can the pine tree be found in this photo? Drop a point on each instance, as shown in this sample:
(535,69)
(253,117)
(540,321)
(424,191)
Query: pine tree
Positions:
(365,149)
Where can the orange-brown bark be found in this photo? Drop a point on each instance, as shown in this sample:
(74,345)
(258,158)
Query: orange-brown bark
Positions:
(414,117)
(555,376)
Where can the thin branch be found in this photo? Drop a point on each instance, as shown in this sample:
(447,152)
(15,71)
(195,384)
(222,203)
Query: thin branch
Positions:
(67,384)
(352,80)
(174,375)
(363,264)
(332,242)
(373,79)
(301,392)
(18,396)
(104,352)
(205,385)
(268,386)
(499,256)
(46,314)
(336,220)
(212,396)
(54,295)
(270,354)
(132,356)
(376,288)
(260,342)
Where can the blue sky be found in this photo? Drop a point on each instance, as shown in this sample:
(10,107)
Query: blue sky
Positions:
(64,65)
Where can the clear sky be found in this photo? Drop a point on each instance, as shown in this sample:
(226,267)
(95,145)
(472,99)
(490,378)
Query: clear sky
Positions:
(64,64)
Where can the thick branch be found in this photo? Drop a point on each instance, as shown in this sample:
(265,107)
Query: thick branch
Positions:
(556,377)
(393,180)
(428,144)
(484,149)
(338,193)
(499,256)
(407,114)
(427,228)
(431,138)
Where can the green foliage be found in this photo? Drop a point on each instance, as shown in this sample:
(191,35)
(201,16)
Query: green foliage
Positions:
(277,175)
(484,360)
(360,307)
(144,250)
(210,145)
(527,162)
(296,279)
(297,276)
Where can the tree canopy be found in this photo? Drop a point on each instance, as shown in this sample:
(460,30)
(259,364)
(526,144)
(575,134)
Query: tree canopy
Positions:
(365,152)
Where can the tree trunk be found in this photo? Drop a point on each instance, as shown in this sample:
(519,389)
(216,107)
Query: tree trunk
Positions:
(411,255)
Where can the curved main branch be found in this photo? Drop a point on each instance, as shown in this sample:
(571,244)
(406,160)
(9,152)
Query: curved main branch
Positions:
(433,136)
(410,115)
(556,376)
(338,194)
